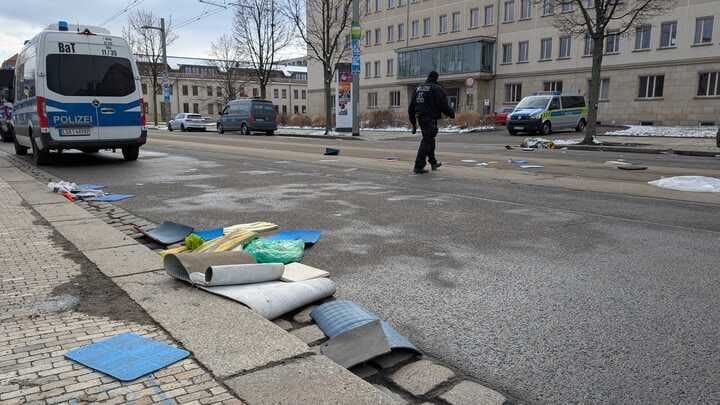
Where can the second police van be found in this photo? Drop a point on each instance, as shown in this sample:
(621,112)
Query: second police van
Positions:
(545,112)
(77,88)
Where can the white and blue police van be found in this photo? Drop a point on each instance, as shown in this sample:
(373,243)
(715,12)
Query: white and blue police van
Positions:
(77,87)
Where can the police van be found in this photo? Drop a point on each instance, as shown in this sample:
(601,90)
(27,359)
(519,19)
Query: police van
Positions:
(77,87)
(545,112)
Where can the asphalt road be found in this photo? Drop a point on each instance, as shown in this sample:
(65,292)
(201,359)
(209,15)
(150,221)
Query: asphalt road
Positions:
(551,294)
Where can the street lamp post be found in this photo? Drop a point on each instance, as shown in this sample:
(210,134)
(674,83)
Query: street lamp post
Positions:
(355,32)
(166,75)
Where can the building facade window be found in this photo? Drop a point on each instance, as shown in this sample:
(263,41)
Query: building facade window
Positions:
(368,38)
(391,4)
(378,36)
(401,32)
(414,29)
(395,98)
(368,71)
(186,107)
(390,68)
(144,88)
(506,54)
(526,7)
(276,93)
(390,33)
(704,30)
(469,101)
(209,91)
(303,94)
(295,109)
(642,36)
(372,100)
(612,43)
(566,6)
(565,47)
(474,17)
(447,59)
(195,90)
(211,109)
(513,92)
(489,14)
(548,7)
(546,49)
(605,89)
(284,93)
(218,91)
(377,10)
(377,68)
(651,86)
(668,34)
(455,22)
(196,108)
(709,84)
(442,24)
(367,7)
(588,45)
(184,90)
(256,91)
(304,109)
(523,51)
(509,11)
(553,85)
(427,28)
(295,94)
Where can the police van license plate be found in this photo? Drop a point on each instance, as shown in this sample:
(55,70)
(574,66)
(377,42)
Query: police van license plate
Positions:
(519,128)
(74,131)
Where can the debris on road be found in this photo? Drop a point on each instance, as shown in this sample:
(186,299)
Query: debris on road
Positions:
(537,143)
(331,152)
(357,345)
(469,161)
(531,167)
(700,184)
(127,356)
(90,192)
(518,161)
(632,167)
(482,164)
(618,162)
(167,233)
(301,272)
(508,147)
(276,251)
(232,241)
(309,236)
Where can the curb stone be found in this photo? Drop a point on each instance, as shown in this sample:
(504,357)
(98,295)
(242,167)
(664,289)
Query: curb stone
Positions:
(286,328)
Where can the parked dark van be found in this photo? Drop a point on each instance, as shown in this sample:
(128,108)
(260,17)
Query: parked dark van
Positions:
(248,115)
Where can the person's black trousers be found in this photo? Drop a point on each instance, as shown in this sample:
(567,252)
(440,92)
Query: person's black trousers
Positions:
(426,151)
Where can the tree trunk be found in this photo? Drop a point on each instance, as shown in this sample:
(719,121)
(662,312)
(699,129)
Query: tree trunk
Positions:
(154,98)
(327,80)
(597,58)
(263,90)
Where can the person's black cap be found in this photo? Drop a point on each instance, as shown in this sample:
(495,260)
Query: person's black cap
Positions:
(433,76)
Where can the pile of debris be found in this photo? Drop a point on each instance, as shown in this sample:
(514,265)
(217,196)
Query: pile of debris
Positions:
(86,192)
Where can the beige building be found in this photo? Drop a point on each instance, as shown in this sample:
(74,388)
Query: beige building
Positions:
(491,53)
(196,86)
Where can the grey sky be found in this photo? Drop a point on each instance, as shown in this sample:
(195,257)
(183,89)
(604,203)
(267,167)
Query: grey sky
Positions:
(25,18)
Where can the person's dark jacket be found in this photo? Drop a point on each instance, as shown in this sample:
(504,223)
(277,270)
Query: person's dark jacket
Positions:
(429,101)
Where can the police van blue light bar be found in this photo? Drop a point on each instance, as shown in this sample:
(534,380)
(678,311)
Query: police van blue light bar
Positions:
(547,93)
(62,26)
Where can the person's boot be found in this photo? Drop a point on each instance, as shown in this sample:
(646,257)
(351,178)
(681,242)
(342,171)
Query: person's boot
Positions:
(420,171)
(436,165)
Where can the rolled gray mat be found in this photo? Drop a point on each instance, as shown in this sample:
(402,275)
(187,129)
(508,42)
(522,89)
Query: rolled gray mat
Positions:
(181,265)
(233,274)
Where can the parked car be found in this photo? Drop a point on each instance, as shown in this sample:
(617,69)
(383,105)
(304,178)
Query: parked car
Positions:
(501,116)
(187,122)
(247,116)
(545,112)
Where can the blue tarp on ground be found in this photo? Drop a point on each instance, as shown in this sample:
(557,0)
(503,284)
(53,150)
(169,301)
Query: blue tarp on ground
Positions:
(127,356)
(337,317)
(309,236)
(113,197)
(209,234)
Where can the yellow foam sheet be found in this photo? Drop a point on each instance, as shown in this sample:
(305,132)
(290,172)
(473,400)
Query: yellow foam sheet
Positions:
(252,226)
(228,242)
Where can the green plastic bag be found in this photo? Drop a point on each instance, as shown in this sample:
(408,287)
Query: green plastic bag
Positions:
(193,241)
(276,251)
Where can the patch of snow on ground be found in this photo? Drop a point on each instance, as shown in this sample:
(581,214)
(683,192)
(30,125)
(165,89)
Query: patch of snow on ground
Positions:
(675,132)
(450,129)
(699,184)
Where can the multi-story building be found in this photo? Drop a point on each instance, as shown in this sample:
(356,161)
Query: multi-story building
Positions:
(197,86)
(491,53)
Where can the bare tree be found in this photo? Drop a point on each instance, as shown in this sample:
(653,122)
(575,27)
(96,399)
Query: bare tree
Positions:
(261,32)
(148,44)
(598,21)
(226,59)
(324,27)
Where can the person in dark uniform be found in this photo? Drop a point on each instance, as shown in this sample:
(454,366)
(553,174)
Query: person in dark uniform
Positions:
(426,107)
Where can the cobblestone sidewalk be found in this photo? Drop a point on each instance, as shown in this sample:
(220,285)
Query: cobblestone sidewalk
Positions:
(54,300)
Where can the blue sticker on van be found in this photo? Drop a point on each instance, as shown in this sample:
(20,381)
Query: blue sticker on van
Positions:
(86,114)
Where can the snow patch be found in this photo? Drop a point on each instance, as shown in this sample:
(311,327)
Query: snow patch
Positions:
(700,184)
(674,132)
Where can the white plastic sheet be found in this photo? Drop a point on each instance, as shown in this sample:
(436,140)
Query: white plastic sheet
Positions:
(700,184)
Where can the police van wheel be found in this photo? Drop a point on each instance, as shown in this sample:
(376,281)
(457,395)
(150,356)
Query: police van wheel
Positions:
(580,126)
(131,153)
(546,128)
(41,157)
(19,149)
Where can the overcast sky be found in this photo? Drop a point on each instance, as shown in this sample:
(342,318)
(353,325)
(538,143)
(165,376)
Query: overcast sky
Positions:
(25,18)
